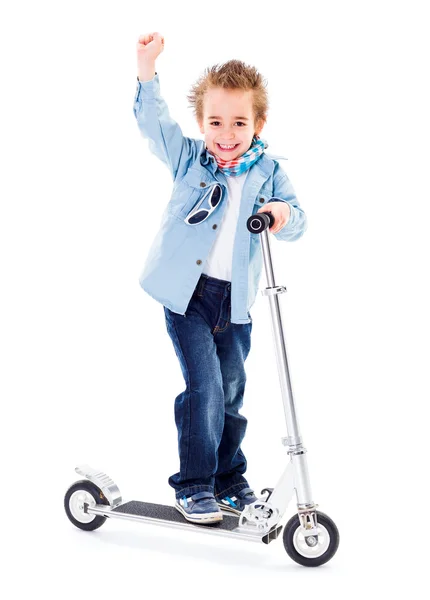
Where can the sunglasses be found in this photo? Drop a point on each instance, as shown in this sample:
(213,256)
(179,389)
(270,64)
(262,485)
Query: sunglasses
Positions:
(198,215)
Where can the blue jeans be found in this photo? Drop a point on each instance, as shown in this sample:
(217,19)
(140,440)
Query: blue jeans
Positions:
(211,351)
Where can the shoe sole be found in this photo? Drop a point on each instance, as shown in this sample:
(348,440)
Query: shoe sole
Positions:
(213,517)
(229,509)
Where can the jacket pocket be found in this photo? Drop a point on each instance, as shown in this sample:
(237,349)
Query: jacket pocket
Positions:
(188,192)
(263,196)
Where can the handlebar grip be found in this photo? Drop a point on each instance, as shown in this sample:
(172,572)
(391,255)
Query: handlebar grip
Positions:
(259,222)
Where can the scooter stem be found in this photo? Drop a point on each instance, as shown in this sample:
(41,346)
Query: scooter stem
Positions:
(295,476)
(272,291)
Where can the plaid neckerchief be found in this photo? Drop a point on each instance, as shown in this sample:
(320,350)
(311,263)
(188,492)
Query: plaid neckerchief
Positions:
(242,163)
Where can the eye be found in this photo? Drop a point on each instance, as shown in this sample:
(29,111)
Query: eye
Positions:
(213,123)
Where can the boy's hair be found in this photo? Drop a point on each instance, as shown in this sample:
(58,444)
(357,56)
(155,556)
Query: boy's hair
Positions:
(231,75)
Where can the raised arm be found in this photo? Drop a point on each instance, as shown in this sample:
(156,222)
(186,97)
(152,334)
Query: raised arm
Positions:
(156,125)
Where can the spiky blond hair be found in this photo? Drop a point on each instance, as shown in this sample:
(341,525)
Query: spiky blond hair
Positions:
(232,75)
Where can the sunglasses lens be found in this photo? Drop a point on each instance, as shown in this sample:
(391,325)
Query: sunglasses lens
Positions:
(216,196)
(198,217)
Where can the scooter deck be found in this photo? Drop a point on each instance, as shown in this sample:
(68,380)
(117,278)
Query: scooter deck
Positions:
(170,513)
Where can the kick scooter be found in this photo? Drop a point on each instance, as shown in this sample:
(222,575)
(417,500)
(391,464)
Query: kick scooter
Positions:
(310,537)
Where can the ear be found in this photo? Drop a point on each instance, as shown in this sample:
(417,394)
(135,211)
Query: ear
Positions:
(259,125)
(200,124)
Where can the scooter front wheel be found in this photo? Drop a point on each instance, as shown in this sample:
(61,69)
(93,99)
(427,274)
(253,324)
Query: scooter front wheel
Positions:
(313,551)
(78,494)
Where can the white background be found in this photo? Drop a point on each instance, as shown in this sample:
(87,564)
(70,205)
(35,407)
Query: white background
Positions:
(89,373)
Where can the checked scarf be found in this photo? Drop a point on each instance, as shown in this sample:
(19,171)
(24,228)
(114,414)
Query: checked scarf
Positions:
(242,163)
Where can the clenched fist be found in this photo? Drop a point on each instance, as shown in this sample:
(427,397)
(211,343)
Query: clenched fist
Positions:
(149,47)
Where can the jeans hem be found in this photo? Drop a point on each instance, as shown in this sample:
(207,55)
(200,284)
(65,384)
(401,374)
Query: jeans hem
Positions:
(233,489)
(189,491)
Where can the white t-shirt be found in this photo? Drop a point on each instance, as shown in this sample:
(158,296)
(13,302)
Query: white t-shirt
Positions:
(220,258)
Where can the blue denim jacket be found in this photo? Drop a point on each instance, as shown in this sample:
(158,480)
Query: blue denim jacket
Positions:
(178,253)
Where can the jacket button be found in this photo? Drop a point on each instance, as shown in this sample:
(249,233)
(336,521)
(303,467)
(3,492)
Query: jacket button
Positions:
(261,199)
(199,262)
(214,226)
(202,184)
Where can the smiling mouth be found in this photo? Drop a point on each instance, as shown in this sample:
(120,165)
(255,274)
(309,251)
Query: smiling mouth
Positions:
(227,147)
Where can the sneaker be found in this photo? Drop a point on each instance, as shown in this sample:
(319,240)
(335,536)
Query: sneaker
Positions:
(238,501)
(199,508)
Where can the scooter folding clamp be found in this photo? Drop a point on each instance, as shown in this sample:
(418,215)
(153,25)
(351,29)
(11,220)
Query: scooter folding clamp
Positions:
(297,451)
(259,515)
(272,291)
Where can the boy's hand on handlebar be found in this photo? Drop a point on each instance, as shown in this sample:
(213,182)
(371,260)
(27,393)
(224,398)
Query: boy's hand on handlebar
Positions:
(281,213)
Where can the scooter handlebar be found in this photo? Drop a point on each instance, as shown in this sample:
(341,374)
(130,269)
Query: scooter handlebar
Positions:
(259,222)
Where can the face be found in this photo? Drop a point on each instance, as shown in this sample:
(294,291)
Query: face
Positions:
(228,120)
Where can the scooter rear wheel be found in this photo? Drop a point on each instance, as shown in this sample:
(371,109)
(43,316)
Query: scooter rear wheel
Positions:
(79,493)
(315,551)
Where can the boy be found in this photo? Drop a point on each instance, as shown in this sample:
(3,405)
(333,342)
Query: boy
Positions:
(204,266)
